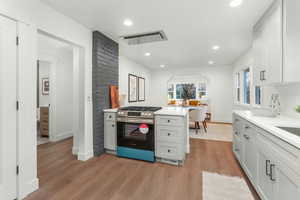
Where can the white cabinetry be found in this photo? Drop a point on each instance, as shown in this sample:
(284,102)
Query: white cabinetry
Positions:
(249,151)
(276,44)
(170,138)
(110,131)
(267,47)
(271,164)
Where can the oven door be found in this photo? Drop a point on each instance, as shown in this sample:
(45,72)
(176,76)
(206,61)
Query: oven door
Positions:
(136,135)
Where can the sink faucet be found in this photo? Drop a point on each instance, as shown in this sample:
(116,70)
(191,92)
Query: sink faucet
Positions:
(275,103)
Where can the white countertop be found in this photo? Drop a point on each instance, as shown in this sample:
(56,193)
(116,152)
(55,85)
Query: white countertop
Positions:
(112,110)
(270,125)
(176,111)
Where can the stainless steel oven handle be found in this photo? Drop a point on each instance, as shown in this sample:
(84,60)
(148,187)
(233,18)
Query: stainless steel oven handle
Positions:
(135,120)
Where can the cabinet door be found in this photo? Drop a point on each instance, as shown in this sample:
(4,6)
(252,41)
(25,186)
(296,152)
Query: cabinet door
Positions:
(259,55)
(237,147)
(273,36)
(250,153)
(264,183)
(110,133)
(287,182)
(291,40)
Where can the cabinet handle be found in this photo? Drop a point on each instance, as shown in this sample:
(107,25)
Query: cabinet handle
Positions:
(247,127)
(236,133)
(169,150)
(267,167)
(109,116)
(168,121)
(246,137)
(113,125)
(169,134)
(237,150)
(272,172)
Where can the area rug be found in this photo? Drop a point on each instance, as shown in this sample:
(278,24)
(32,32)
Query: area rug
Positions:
(218,132)
(221,187)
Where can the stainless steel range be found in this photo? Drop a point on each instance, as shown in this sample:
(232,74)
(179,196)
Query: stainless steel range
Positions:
(135,132)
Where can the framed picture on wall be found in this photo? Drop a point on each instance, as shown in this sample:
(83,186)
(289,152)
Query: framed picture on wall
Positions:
(45,86)
(141,89)
(132,88)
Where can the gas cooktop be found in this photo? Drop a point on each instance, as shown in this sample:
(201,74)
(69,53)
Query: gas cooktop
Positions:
(140,108)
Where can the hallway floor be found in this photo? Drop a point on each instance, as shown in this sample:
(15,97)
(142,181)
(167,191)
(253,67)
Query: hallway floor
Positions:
(62,177)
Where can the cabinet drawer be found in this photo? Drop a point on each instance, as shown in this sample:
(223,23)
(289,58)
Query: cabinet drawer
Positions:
(110,116)
(169,121)
(169,151)
(169,134)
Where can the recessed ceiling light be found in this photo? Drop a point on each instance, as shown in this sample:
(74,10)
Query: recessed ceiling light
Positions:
(216,47)
(162,66)
(147,54)
(128,22)
(211,62)
(235,3)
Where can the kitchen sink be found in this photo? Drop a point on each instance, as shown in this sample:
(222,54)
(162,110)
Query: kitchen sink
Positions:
(295,131)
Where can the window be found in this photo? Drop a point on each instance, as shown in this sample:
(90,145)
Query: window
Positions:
(201,90)
(238,87)
(171,91)
(258,92)
(176,90)
(247,86)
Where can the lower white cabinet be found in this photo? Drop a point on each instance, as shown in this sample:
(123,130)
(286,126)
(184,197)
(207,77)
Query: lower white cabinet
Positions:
(170,138)
(272,165)
(249,151)
(264,183)
(110,132)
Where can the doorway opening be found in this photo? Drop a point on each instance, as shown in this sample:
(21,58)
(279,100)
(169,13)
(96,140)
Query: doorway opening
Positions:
(60,94)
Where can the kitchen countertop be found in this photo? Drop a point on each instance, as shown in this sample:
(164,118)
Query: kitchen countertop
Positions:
(270,125)
(175,111)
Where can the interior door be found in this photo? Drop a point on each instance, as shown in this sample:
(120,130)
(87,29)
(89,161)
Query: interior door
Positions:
(8,115)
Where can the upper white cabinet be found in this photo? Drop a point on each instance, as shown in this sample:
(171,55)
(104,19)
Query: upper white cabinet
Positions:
(291,40)
(267,46)
(276,44)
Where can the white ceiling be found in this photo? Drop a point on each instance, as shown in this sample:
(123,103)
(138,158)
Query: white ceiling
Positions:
(192,27)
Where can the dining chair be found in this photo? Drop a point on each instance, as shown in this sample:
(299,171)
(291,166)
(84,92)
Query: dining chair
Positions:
(198,115)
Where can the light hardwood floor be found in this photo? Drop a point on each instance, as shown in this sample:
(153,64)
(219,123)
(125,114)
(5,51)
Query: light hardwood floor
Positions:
(62,177)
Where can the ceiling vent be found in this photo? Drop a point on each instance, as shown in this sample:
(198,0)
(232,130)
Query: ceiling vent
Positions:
(145,38)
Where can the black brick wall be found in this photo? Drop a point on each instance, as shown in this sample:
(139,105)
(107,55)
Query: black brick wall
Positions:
(105,73)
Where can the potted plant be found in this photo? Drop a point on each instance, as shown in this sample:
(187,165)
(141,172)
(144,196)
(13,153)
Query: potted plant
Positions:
(188,92)
(298,109)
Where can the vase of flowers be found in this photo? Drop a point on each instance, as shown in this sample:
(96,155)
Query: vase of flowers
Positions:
(188,92)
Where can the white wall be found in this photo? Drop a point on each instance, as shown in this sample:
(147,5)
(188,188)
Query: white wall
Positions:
(62,94)
(289,98)
(39,16)
(219,88)
(127,66)
(44,72)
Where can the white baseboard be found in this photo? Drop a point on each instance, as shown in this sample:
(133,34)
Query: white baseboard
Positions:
(28,188)
(61,136)
(85,156)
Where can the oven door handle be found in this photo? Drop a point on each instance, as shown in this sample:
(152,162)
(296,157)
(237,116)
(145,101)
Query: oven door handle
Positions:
(135,121)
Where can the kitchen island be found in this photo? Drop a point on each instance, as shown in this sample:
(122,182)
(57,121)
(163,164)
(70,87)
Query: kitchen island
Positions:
(172,135)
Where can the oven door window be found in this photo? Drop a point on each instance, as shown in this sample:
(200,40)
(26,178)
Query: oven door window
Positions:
(136,135)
